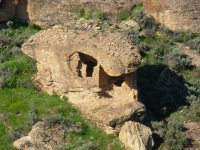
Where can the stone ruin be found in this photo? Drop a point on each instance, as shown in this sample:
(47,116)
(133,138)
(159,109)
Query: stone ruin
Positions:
(96,73)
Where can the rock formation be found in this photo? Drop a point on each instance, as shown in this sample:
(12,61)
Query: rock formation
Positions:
(42,137)
(178,15)
(193,134)
(97,73)
(136,136)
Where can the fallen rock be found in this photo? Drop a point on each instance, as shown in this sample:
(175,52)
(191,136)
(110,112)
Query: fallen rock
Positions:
(41,138)
(136,136)
(193,134)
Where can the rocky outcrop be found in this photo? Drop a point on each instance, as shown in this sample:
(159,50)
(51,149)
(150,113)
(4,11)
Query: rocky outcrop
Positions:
(97,73)
(193,135)
(129,24)
(42,137)
(136,136)
(178,15)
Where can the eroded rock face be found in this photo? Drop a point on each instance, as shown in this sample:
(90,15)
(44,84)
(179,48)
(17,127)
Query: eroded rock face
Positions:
(45,13)
(136,136)
(41,137)
(179,15)
(97,74)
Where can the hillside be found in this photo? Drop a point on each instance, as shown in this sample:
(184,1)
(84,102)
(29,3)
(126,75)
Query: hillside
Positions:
(167,82)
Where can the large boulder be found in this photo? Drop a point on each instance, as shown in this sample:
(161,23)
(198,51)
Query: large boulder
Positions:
(136,136)
(42,137)
(192,134)
(178,15)
(97,73)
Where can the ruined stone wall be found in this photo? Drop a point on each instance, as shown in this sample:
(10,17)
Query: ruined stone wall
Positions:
(178,15)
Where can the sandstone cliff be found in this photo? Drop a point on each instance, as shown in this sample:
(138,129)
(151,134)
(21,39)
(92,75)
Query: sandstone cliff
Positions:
(46,13)
(178,15)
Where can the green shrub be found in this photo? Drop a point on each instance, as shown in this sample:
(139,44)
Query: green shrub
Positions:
(198,49)
(69,125)
(194,43)
(144,21)
(165,30)
(122,16)
(131,33)
(88,14)
(175,137)
(81,13)
(178,60)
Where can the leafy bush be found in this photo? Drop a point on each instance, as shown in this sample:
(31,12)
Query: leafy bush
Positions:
(81,13)
(194,43)
(17,72)
(69,125)
(178,60)
(122,16)
(144,21)
(88,14)
(165,30)
(131,33)
(175,137)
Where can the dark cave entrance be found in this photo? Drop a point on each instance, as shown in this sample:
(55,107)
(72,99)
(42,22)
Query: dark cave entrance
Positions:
(90,62)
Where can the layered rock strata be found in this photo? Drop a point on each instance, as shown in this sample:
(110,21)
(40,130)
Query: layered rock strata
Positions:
(97,73)
(178,15)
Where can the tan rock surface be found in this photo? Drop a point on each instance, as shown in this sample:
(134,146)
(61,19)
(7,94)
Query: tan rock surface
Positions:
(47,13)
(179,15)
(136,136)
(193,134)
(192,53)
(97,74)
